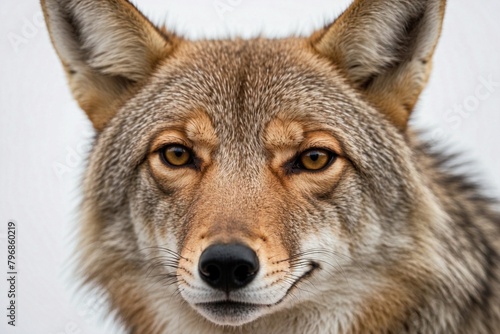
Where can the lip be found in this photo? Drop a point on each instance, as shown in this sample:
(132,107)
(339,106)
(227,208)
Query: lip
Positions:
(228,307)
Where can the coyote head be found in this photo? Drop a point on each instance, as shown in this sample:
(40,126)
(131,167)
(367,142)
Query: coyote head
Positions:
(233,179)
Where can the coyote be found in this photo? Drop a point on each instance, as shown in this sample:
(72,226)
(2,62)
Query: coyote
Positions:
(273,185)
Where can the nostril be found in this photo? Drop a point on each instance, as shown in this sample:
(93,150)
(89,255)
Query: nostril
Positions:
(211,272)
(242,273)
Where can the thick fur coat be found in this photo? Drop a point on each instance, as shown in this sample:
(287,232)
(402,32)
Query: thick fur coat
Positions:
(382,238)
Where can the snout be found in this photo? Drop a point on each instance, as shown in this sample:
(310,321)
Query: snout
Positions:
(235,278)
(228,267)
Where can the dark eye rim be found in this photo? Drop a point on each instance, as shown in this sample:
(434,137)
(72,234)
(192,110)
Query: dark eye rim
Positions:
(191,162)
(295,165)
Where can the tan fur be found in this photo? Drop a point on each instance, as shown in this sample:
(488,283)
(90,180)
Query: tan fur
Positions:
(384,239)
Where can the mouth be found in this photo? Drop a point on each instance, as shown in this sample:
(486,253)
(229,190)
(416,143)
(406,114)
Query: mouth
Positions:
(236,313)
(231,313)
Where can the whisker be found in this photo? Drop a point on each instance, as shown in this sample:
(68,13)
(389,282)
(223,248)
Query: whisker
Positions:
(165,250)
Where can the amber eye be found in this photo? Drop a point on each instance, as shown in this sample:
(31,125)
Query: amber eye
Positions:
(176,155)
(315,159)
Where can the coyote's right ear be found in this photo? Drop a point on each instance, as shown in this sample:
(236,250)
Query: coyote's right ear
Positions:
(106,47)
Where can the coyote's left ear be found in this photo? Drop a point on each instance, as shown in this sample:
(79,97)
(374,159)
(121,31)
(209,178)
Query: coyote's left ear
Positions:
(384,47)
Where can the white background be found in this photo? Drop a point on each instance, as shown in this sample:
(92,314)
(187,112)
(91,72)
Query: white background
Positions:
(43,134)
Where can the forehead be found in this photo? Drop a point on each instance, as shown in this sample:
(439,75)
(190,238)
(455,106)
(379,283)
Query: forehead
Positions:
(242,85)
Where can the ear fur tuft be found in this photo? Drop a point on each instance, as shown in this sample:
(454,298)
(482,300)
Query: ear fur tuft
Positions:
(106,47)
(384,48)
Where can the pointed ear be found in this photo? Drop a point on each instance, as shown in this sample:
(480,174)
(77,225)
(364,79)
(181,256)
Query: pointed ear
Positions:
(107,48)
(384,48)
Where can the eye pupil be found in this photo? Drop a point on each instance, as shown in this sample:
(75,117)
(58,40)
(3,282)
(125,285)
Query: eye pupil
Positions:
(314,156)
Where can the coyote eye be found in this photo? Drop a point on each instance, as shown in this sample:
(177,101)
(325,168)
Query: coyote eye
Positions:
(176,155)
(315,159)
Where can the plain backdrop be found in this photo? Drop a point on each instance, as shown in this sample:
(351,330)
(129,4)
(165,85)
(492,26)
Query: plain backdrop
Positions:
(44,136)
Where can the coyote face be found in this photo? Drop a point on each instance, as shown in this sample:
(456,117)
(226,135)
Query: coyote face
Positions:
(262,184)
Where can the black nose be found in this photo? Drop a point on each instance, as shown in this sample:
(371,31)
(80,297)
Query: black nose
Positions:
(228,267)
